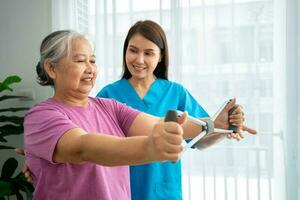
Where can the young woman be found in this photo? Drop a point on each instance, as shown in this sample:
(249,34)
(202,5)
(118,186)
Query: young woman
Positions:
(145,86)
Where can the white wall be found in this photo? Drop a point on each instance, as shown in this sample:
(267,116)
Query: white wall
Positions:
(23,26)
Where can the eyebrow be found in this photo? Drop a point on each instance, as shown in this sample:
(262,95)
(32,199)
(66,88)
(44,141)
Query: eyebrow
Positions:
(79,54)
(138,48)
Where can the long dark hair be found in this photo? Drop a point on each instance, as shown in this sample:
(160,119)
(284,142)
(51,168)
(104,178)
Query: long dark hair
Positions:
(153,32)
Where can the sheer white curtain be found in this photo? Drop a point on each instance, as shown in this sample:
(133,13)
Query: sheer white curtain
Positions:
(219,49)
(292,117)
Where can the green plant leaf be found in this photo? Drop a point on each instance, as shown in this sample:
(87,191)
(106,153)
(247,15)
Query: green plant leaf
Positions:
(5,97)
(18,186)
(6,147)
(2,139)
(8,81)
(24,185)
(10,129)
(19,195)
(8,168)
(4,87)
(13,109)
(5,188)
(12,79)
(28,189)
(12,119)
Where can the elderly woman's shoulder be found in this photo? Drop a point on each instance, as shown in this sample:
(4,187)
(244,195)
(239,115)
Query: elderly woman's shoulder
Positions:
(46,103)
(106,103)
(102,100)
(44,106)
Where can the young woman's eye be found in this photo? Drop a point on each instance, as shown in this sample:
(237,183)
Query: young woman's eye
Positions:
(93,61)
(149,53)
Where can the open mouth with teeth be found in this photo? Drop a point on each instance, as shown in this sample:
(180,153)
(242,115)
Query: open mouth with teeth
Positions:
(87,79)
(139,68)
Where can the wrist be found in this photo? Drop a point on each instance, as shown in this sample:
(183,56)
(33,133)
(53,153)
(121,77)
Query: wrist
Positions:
(149,153)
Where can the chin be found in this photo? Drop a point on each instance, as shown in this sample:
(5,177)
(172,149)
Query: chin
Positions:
(139,76)
(85,90)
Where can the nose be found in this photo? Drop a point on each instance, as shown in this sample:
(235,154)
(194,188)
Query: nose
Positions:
(90,68)
(140,58)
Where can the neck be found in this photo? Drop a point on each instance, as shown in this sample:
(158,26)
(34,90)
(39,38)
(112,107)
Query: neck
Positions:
(143,82)
(70,100)
(141,86)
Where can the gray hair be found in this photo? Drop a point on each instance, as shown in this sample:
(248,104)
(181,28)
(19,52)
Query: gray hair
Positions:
(54,46)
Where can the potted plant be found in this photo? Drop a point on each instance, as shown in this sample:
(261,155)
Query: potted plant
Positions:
(11,185)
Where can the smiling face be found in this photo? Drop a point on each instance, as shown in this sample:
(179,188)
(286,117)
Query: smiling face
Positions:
(142,57)
(74,75)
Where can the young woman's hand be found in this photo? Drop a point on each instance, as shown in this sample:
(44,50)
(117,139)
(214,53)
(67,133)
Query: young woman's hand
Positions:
(235,118)
(25,169)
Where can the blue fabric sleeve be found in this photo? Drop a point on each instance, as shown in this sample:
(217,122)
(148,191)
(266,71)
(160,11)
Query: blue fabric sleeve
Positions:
(103,93)
(188,103)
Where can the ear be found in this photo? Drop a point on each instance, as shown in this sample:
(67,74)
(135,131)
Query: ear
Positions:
(49,68)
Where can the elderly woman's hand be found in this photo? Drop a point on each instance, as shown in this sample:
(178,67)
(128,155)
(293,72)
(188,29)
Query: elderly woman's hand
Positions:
(166,140)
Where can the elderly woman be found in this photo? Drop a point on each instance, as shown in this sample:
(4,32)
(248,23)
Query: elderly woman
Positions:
(78,147)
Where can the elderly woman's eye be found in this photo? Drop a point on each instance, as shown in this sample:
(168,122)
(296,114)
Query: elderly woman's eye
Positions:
(132,50)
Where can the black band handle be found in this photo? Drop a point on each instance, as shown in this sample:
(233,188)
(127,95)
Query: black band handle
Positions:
(172,116)
(232,127)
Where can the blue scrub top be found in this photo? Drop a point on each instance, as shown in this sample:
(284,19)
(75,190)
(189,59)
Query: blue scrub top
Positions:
(155,181)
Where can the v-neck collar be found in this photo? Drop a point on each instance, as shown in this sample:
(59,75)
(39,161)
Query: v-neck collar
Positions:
(153,95)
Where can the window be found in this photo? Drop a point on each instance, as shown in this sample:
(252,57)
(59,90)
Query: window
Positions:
(219,49)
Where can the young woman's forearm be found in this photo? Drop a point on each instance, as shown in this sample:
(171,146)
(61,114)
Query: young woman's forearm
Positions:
(191,129)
